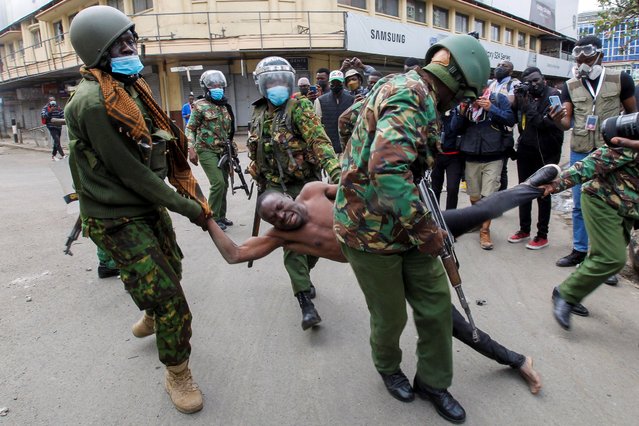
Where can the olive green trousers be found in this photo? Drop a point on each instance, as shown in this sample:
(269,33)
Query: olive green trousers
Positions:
(388,282)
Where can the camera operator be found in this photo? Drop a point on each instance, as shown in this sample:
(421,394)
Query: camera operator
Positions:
(592,95)
(609,201)
(539,143)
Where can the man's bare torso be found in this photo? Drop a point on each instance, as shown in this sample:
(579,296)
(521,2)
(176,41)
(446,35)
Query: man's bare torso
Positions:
(316,236)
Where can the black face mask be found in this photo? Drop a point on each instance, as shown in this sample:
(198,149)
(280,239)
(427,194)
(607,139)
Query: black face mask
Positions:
(323,84)
(537,90)
(501,73)
(304,91)
(337,89)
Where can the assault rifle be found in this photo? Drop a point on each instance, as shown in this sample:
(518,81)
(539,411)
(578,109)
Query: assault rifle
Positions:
(75,233)
(447,254)
(230,157)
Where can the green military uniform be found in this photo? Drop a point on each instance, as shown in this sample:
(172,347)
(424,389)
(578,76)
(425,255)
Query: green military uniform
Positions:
(609,201)
(380,222)
(288,148)
(207,130)
(123,201)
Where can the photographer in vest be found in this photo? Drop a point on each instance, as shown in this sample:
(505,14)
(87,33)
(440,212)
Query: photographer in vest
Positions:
(592,95)
(331,105)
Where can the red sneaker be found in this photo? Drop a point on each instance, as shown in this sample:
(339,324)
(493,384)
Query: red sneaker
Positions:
(537,243)
(519,237)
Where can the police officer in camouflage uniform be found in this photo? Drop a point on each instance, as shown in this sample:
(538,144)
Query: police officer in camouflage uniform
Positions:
(385,230)
(288,147)
(211,124)
(121,141)
(610,206)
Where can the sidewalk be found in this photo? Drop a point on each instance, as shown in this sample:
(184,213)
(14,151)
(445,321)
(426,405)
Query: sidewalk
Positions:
(34,144)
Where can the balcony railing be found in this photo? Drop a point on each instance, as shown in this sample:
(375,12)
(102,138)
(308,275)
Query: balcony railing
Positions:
(194,32)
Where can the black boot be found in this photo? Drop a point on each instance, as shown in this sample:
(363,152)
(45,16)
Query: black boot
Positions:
(398,386)
(444,403)
(105,272)
(577,309)
(310,317)
(561,310)
(312,292)
(573,259)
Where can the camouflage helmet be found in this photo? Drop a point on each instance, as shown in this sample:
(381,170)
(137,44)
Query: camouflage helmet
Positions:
(274,69)
(212,77)
(94,30)
(467,68)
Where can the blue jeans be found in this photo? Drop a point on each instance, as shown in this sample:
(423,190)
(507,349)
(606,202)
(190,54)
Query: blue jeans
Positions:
(579,234)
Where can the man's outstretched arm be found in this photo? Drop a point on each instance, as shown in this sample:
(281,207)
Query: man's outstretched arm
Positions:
(251,249)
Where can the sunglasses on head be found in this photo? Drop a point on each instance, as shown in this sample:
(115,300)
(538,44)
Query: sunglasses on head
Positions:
(586,50)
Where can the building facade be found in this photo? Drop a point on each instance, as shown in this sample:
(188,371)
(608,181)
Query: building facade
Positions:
(37,59)
(620,52)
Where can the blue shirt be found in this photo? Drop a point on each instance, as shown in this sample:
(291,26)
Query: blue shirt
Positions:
(186,112)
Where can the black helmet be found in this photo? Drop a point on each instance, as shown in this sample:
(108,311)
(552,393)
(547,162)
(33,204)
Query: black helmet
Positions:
(94,30)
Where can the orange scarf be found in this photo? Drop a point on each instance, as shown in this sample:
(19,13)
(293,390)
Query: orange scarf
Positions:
(123,110)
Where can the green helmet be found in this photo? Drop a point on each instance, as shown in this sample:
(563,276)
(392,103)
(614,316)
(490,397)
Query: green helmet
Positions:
(468,70)
(94,30)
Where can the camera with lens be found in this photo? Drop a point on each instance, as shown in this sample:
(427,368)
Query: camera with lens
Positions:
(522,89)
(625,126)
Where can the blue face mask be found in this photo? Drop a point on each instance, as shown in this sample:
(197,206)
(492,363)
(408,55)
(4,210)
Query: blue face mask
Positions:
(127,65)
(217,93)
(278,95)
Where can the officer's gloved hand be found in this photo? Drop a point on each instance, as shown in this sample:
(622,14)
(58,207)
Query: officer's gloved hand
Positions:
(202,220)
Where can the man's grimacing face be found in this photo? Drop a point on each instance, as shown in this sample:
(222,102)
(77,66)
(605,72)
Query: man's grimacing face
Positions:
(282,212)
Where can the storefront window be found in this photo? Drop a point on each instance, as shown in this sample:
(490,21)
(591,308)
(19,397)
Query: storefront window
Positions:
(440,17)
(533,43)
(416,10)
(521,40)
(480,27)
(387,7)
(354,3)
(495,32)
(461,23)
(508,36)
(142,5)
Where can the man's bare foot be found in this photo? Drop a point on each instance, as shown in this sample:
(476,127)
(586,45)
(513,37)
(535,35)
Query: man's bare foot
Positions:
(530,376)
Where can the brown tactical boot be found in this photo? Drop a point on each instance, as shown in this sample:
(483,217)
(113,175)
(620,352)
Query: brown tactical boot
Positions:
(184,392)
(484,236)
(144,327)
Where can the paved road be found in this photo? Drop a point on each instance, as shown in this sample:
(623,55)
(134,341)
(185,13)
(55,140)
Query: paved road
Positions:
(68,357)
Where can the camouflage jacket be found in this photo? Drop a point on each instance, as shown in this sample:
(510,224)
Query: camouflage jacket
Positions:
(612,174)
(289,143)
(377,208)
(348,118)
(209,126)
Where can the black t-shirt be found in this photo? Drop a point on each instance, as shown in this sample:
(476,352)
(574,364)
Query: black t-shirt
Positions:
(627,88)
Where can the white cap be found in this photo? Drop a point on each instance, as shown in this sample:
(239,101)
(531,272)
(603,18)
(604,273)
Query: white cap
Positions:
(303,82)
(336,75)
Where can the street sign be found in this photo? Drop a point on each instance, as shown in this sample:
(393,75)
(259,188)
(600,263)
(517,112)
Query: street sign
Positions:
(185,69)
(188,74)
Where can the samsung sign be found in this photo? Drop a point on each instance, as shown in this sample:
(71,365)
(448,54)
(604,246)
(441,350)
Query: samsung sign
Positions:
(382,37)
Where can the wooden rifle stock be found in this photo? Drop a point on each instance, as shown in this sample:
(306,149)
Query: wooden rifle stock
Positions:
(447,254)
